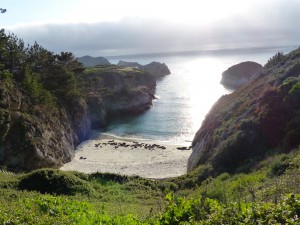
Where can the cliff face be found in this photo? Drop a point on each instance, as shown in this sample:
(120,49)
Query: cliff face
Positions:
(259,117)
(30,136)
(127,90)
(240,74)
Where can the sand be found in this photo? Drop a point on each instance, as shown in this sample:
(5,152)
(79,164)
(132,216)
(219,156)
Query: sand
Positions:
(104,153)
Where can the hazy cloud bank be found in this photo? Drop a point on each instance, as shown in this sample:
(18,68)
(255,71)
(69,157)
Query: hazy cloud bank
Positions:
(264,26)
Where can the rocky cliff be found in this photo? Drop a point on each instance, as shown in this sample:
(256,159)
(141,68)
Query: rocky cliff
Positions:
(31,137)
(34,136)
(261,117)
(240,74)
(49,103)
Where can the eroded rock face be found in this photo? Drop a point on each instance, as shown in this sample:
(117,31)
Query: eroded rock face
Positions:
(261,116)
(240,74)
(33,140)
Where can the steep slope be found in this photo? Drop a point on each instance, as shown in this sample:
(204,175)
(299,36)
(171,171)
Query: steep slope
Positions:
(257,118)
(31,136)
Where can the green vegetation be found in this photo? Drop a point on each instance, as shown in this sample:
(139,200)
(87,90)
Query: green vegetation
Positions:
(46,76)
(267,194)
(249,173)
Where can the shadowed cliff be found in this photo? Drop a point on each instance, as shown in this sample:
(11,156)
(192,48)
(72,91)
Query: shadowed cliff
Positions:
(261,117)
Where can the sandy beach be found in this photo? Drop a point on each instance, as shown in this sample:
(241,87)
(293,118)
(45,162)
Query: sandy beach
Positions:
(104,153)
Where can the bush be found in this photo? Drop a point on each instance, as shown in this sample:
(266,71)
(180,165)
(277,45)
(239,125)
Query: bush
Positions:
(279,165)
(54,182)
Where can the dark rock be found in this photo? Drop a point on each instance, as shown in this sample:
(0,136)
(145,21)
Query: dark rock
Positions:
(35,140)
(240,74)
(157,69)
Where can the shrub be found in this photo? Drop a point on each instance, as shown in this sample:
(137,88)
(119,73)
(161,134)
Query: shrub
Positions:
(279,165)
(54,182)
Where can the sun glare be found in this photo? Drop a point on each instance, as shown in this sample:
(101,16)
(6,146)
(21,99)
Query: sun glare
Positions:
(200,86)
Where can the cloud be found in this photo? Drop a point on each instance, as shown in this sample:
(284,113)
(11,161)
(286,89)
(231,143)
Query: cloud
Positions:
(262,26)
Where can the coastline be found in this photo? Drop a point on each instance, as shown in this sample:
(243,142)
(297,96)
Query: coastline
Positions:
(129,156)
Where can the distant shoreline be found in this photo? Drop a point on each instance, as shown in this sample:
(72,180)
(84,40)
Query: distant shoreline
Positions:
(127,156)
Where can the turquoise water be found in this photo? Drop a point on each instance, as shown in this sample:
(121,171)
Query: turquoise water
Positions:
(185,96)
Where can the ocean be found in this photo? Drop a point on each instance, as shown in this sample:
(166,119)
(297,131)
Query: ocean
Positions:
(185,96)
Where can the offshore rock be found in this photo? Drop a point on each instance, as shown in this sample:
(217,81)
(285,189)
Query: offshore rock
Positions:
(240,74)
(158,70)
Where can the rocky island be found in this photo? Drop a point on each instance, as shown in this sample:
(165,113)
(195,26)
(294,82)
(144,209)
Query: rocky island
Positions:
(240,74)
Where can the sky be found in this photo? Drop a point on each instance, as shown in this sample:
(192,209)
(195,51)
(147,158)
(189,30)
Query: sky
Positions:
(119,27)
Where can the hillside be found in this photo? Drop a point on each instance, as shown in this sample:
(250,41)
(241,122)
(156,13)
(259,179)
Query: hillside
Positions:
(257,119)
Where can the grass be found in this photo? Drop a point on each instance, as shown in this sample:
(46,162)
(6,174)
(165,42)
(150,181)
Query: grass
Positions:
(49,196)
(110,69)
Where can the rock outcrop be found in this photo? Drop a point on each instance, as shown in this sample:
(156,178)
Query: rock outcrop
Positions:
(240,74)
(119,89)
(30,136)
(157,69)
(93,61)
(259,117)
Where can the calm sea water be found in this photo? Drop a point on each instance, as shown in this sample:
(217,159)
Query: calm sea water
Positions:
(185,96)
